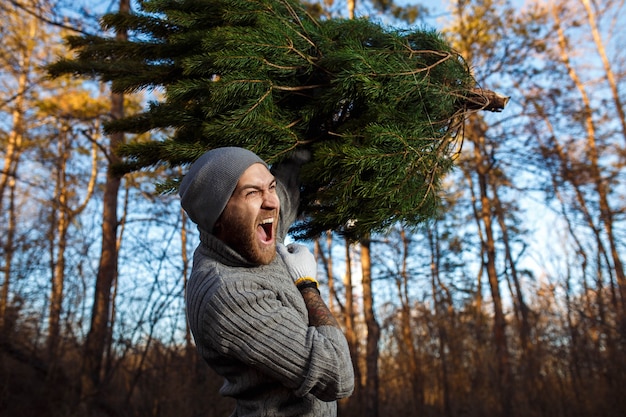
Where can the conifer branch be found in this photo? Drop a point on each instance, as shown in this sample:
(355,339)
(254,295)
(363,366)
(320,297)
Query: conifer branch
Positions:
(380,110)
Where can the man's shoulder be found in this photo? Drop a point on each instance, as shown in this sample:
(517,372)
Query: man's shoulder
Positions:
(220,277)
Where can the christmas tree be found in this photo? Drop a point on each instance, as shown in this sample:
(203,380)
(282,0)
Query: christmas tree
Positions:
(378,108)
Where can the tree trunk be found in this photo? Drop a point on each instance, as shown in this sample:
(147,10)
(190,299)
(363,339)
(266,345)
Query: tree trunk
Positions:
(414,372)
(606,213)
(499,325)
(522,311)
(95,345)
(15,144)
(327,261)
(63,215)
(351,336)
(373,335)
(58,241)
(351,7)
(7,320)
(189,346)
(565,171)
(440,317)
(482,166)
(610,75)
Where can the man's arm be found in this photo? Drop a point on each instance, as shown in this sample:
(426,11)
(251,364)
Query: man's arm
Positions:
(302,267)
(273,339)
(287,175)
(319,314)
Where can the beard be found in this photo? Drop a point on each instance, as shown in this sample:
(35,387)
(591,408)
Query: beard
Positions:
(240,233)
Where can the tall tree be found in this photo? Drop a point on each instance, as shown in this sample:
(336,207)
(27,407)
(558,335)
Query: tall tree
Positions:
(477,29)
(372,381)
(483,164)
(415,377)
(584,179)
(593,148)
(350,324)
(65,110)
(20,60)
(95,345)
(611,78)
(444,316)
(582,170)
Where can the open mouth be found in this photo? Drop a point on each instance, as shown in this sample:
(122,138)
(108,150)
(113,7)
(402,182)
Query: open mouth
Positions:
(265,230)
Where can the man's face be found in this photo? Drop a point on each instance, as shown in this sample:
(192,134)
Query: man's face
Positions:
(249,220)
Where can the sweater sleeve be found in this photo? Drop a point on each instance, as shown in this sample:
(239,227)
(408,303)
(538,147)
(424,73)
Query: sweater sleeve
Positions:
(287,175)
(251,324)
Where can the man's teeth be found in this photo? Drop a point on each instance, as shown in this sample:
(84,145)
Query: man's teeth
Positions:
(268,221)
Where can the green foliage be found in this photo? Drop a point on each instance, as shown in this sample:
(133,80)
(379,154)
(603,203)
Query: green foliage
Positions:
(378,108)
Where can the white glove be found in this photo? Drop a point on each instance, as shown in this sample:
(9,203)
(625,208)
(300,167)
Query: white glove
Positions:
(299,260)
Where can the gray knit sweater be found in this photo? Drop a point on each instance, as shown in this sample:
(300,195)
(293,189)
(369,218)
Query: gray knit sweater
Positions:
(250,324)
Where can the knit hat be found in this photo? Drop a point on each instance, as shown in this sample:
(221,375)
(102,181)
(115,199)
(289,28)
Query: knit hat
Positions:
(211,180)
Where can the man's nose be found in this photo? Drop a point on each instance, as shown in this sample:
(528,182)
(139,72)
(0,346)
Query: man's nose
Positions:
(270,200)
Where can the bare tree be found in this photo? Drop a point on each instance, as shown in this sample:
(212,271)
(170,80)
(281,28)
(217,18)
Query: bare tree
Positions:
(95,345)
(370,391)
(64,214)
(18,61)
(593,154)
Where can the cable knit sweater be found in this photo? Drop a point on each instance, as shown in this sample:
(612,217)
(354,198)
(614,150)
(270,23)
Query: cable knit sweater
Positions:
(250,324)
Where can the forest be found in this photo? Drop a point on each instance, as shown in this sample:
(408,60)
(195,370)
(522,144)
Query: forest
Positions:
(509,300)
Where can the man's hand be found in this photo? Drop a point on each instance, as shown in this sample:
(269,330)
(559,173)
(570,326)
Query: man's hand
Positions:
(301,263)
(299,260)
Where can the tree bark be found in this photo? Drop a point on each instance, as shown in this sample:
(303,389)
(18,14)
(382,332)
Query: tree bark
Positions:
(14,149)
(58,241)
(327,261)
(351,336)
(95,345)
(414,372)
(482,166)
(606,212)
(610,75)
(63,215)
(373,335)
(189,346)
(441,319)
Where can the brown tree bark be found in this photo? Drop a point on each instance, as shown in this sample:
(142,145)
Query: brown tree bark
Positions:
(6,322)
(95,345)
(351,336)
(189,346)
(530,369)
(482,165)
(58,237)
(327,261)
(521,307)
(351,7)
(370,391)
(14,149)
(63,214)
(593,155)
(442,317)
(606,64)
(414,375)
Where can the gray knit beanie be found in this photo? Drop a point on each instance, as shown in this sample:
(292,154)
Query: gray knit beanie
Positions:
(211,180)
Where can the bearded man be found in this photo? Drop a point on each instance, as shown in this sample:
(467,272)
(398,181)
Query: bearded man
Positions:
(253,304)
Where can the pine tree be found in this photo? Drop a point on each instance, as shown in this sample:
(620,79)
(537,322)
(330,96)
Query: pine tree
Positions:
(378,108)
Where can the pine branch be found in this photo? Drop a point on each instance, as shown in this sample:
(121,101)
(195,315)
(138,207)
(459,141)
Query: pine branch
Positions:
(379,109)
